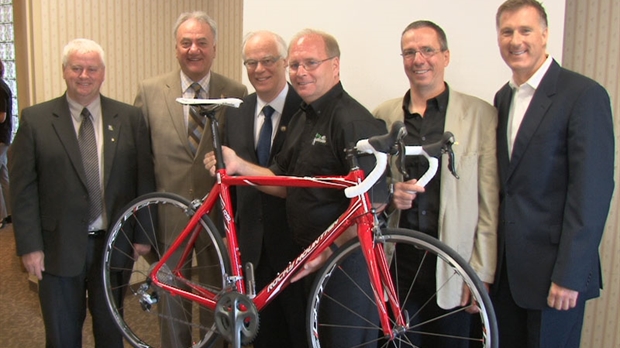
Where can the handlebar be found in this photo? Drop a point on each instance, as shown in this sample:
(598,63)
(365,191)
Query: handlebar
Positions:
(392,143)
(379,146)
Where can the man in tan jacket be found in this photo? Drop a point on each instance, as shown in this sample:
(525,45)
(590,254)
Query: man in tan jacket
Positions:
(460,212)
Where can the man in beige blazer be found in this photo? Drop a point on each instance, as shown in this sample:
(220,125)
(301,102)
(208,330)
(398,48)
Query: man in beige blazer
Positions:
(460,212)
(178,165)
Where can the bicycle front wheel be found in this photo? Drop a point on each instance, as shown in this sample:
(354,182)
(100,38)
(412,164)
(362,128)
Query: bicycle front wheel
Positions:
(147,315)
(342,310)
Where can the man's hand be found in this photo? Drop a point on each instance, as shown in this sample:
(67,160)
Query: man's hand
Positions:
(317,262)
(562,298)
(231,160)
(467,300)
(405,193)
(312,265)
(140,250)
(33,262)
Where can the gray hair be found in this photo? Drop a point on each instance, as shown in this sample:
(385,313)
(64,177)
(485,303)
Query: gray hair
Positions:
(331,45)
(280,43)
(200,16)
(81,46)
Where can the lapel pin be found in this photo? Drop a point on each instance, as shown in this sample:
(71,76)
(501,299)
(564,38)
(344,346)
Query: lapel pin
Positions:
(283,129)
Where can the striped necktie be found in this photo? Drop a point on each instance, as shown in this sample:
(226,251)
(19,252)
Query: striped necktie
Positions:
(90,160)
(195,123)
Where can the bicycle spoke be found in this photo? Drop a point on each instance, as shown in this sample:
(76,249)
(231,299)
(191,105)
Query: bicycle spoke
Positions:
(422,324)
(148,315)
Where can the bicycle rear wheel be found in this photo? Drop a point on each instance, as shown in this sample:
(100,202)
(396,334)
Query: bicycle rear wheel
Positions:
(342,311)
(147,315)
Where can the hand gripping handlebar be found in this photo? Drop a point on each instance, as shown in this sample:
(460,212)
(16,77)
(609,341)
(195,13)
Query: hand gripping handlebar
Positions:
(392,143)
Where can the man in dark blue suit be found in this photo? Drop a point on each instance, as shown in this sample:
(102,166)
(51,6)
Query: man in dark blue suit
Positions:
(555,147)
(265,239)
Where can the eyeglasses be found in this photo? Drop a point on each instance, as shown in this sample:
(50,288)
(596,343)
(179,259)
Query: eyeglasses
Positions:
(425,52)
(308,64)
(267,62)
(78,69)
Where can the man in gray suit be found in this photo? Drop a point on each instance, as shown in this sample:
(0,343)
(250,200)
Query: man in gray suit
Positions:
(63,200)
(178,159)
(460,212)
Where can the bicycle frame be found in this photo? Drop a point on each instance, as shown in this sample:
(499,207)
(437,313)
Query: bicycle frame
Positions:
(359,212)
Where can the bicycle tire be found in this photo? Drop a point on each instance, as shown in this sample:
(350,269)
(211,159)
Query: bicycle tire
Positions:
(128,291)
(358,325)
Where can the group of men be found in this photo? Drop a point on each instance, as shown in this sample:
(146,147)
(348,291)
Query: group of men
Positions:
(527,213)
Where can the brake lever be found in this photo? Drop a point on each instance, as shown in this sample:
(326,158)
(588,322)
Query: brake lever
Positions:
(447,148)
(400,159)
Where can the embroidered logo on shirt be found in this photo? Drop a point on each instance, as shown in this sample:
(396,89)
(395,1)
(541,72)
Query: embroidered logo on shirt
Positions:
(318,138)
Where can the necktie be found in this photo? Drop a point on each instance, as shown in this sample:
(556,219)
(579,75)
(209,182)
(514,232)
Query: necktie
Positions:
(195,123)
(264,138)
(90,160)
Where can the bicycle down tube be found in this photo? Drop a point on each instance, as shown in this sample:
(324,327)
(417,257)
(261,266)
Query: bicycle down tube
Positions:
(359,211)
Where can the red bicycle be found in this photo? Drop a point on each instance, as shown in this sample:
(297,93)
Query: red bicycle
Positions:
(185,242)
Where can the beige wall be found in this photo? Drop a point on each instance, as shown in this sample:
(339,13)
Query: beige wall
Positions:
(136,36)
(592,47)
(371,67)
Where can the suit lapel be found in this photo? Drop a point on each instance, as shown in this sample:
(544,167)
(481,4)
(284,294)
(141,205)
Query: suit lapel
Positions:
(172,91)
(216,88)
(455,123)
(455,115)
(536,112)
(111,128)
(502,103)
(291,106)
(247,126)
(63,125)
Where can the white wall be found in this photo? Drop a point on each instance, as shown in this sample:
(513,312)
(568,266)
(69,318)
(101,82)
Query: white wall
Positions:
(368,32)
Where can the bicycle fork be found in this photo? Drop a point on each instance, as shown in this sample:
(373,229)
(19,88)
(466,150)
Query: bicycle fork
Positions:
(383,287)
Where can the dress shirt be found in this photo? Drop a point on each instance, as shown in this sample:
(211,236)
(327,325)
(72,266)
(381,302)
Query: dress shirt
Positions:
(76,115)
(190,93)
(278,105)
(423,216)
(314,146)
(521,97)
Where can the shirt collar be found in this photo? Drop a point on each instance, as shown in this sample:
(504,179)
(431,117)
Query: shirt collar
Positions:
(324,100)
(186,82)
(534,81)
(277,103)
(76,108)
(440,100)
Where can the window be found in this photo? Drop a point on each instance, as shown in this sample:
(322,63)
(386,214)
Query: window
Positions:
(7,52)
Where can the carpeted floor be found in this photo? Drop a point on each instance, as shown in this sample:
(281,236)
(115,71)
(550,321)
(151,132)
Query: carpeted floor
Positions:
(20,319)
